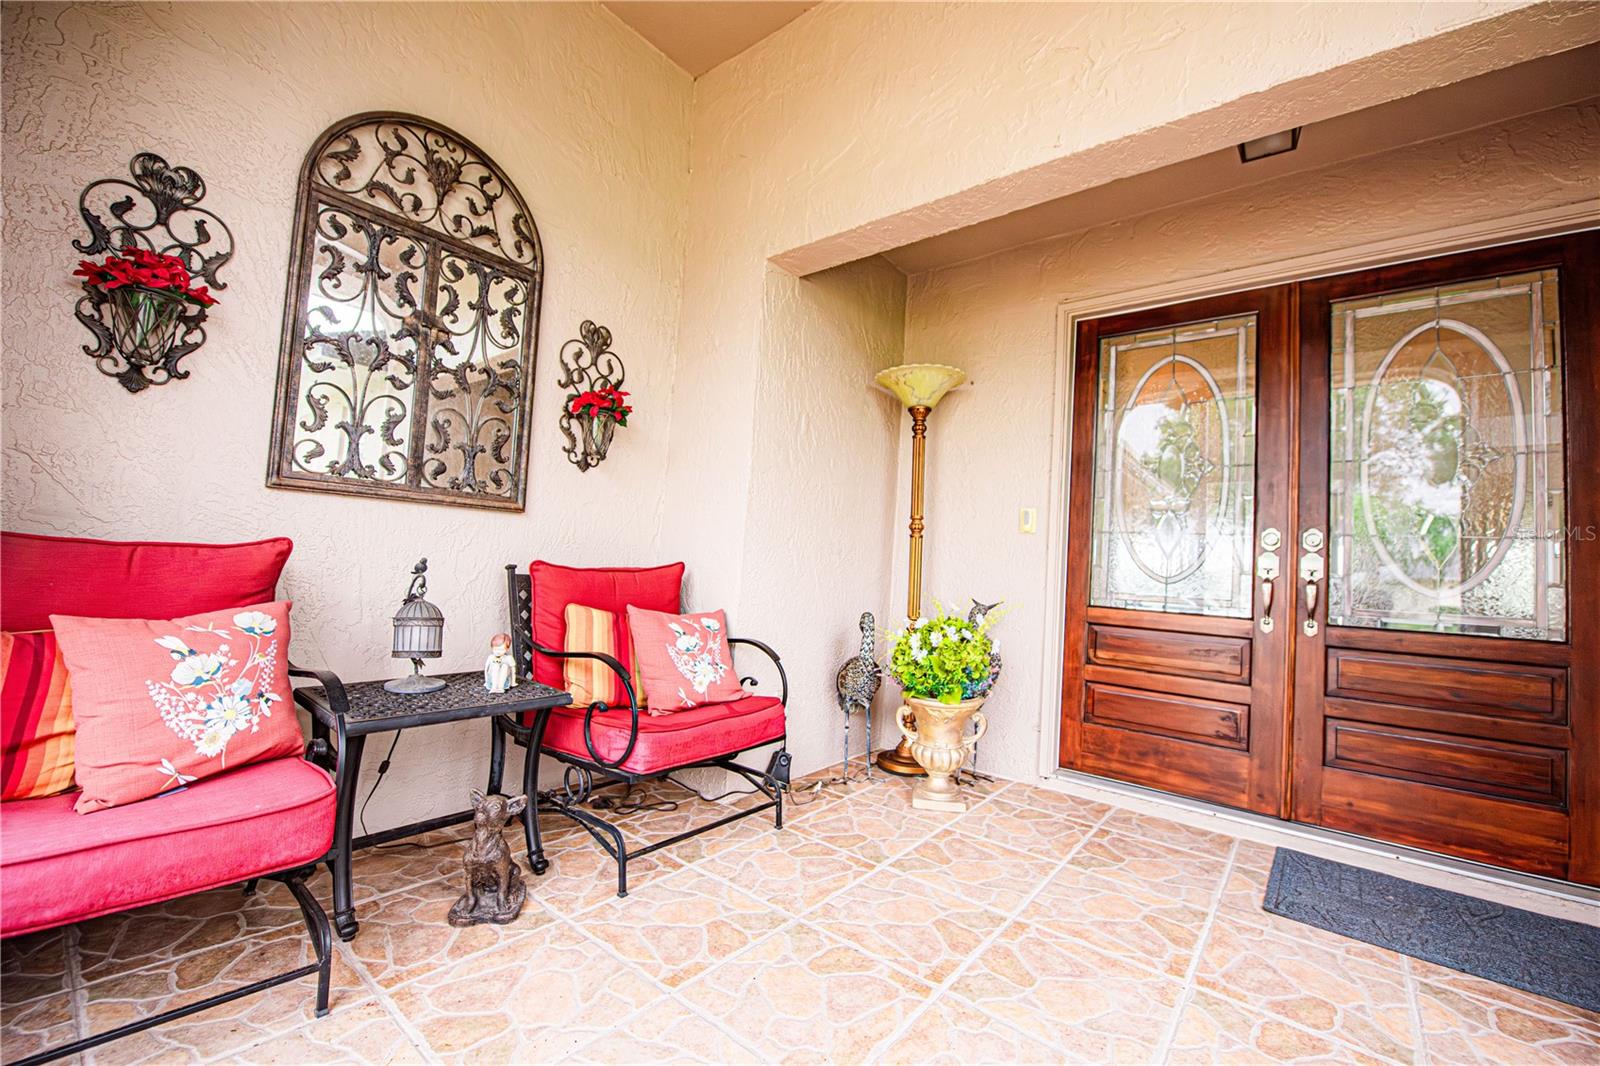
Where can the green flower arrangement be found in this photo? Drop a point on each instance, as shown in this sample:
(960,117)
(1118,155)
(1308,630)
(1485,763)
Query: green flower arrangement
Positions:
(945,657)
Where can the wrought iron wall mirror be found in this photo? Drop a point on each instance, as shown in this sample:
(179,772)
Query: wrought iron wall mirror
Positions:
(411,322)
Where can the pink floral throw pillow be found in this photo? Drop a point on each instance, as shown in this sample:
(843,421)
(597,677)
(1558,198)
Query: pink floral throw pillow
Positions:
(682,660)
(162,703)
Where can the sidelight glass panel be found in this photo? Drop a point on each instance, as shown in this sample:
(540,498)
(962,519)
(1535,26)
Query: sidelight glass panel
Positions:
(1446,488)
(1174,478)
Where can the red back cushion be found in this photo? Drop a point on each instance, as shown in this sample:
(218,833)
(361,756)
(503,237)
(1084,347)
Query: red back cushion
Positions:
(614,589)
(131,579)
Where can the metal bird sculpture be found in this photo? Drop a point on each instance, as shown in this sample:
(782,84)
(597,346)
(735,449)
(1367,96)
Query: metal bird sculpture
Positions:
(857,682)
(976,616)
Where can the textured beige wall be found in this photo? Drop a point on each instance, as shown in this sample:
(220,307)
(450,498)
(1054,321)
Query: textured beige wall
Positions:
(823,144)
(991,449)
(589,121)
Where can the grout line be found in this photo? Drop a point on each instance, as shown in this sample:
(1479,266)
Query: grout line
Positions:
(1170,1033)
(1419,1053)
(77,992)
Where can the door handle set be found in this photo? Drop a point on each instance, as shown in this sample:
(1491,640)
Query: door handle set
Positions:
(1312,570)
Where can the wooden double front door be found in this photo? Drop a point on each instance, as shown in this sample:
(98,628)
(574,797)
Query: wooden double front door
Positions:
(1335,554)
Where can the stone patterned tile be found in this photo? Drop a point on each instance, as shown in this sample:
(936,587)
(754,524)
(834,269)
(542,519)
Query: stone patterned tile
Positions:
(895,916)
(801,995)
(870,831)
(1213,1031)
(1074,808)
(1148,827)
(1151,867)
(224,1029)
(896,792)
(1141,926)
(364,1033)
(1511,1027)
(999,821)
(537,998)
(664,825)
(1357,994)
(1088,1006)
(40,1023)
(685,924)
(583,875)
(665,1032)
(118,943)
(952,1032)
(405,934)
(787,870)
(976,871)
(31,966)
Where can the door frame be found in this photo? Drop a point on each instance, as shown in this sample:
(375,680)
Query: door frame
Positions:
(1487,233)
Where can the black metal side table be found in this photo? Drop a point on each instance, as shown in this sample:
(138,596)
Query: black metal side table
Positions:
(343,716)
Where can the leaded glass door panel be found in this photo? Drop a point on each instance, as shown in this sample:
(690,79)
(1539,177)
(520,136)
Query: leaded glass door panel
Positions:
(1175,661)
(1446,693)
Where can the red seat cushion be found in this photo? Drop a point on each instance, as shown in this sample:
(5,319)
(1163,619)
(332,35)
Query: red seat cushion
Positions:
(614,589)
(669,741)
(131,579)
(59,866)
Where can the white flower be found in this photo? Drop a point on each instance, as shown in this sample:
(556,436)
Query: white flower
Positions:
(917,623)
(920,656)
(704,674)
(257,622)
(711,624)
(175,646)
(196,670)
(937,638)
(231,713)
(211,742)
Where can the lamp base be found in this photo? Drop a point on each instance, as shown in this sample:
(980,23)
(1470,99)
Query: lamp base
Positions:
(413,684)
(898,761)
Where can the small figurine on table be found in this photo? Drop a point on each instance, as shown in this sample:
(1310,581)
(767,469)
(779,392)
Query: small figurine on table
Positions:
(500,669)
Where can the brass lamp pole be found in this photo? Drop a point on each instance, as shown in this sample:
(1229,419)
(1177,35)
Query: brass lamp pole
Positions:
(920,387)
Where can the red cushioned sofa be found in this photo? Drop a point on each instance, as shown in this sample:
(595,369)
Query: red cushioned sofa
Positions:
(270,819)
(605,746)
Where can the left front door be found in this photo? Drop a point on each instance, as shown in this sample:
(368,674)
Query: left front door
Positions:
(1177,636)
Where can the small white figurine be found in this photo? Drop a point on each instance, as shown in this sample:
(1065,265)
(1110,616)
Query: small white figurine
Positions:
(500,669)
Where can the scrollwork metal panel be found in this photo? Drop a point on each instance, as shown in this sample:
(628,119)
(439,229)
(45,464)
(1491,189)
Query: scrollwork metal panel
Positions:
(411,326)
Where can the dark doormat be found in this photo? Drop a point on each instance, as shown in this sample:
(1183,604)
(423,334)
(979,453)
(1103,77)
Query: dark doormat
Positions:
(1546,956)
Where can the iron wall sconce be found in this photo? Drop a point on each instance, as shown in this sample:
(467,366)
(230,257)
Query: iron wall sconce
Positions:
(588,365)
(140,338)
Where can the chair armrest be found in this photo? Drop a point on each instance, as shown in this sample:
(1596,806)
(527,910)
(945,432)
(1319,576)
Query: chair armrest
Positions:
(338,706)
(599,707)
(783,676)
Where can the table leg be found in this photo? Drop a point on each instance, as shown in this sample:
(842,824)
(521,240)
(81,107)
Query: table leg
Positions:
(497,756)
(530,787)
(344,908)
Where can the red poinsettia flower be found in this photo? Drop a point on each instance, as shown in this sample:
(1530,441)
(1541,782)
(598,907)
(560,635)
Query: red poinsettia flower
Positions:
(596,402)
(146,269)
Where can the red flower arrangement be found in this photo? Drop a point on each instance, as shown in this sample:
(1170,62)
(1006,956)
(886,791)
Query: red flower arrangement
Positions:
(144,269)
(598,402)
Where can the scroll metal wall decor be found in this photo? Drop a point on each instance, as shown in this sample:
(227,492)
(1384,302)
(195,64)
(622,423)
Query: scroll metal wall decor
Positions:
(154,209)
(411,323)
(596,406)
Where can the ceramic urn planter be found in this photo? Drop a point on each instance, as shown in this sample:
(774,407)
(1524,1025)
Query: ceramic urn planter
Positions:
(937,732)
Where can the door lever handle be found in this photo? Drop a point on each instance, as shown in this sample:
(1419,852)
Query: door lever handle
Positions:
(1267,571)
(1311,572)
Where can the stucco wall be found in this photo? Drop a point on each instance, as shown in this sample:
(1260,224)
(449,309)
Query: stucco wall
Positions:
(991,449)
(822,144)
(589,121)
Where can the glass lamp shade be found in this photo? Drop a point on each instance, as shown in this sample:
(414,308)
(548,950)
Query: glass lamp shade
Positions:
(920,384)
(418,630)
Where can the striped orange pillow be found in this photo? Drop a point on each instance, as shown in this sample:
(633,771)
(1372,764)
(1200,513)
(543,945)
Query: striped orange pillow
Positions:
(36,729)
(590,680)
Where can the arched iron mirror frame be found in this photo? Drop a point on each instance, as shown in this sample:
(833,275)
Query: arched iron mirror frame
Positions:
(281,472)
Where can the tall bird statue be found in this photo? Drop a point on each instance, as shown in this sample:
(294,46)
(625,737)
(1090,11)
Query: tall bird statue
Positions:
(857,683)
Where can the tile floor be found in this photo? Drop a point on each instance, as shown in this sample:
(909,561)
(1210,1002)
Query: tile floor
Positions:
(1036,927)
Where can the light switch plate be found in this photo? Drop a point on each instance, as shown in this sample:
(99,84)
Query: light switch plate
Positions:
(1029,520)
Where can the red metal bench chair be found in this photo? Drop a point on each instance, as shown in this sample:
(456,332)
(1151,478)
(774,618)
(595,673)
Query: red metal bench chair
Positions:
(267,820)
(615,746)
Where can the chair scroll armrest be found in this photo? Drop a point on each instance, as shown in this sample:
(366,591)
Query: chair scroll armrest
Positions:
(318,751)
(599,707)
(783,676)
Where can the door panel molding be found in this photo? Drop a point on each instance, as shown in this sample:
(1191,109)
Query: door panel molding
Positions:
(1466,686)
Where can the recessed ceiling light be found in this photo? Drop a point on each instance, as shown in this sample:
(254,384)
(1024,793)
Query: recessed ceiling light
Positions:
(1270,145)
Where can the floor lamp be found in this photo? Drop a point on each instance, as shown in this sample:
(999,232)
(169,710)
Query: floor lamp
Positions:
(920,387)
